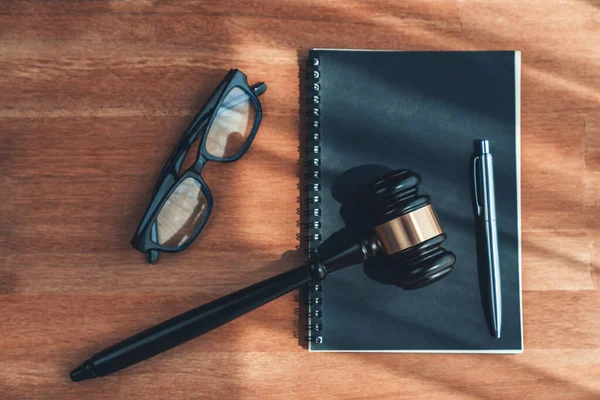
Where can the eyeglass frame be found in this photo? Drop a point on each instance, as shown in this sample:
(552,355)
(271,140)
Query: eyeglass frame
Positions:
(145,238)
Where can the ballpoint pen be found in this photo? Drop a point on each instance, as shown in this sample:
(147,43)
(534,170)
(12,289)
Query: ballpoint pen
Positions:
(485,201)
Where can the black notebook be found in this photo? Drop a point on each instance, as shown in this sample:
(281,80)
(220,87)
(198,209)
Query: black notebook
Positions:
(370,112)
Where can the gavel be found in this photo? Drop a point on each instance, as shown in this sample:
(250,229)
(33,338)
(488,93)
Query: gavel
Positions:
(406,234)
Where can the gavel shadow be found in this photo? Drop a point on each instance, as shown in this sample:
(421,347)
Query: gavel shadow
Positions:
(347,190)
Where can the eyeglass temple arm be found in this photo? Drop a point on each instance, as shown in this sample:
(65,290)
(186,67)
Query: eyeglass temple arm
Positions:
(258,88)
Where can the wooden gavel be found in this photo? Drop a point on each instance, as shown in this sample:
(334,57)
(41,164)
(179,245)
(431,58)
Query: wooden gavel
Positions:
(406,232)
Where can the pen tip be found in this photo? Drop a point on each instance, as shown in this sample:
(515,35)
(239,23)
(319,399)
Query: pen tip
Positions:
(82,373)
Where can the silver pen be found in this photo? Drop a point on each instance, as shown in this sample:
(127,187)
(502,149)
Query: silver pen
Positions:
(485,201)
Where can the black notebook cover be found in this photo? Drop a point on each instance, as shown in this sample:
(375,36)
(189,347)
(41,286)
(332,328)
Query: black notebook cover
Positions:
(374,111)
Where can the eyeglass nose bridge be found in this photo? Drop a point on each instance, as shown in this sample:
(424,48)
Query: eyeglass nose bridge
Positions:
(199,164)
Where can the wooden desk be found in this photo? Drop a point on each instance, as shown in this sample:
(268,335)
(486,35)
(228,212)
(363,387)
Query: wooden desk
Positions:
(93,96)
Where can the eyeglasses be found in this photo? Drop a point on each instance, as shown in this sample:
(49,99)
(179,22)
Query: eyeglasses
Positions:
(181,201)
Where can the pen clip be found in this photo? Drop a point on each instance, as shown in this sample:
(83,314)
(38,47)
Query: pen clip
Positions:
(476,186)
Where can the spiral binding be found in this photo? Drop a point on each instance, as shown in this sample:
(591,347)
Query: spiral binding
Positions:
(314,298)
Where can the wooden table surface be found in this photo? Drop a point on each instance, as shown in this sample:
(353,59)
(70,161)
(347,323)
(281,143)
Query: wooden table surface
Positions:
(94,95)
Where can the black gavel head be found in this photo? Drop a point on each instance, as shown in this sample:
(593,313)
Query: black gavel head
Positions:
(407,230)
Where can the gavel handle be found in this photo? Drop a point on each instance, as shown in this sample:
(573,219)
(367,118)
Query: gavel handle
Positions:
(207,317)
(195,322)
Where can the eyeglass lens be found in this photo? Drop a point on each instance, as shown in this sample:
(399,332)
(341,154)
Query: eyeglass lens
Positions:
(181,214)
(232,125)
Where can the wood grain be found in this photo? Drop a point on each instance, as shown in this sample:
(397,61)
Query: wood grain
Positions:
(93,95)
